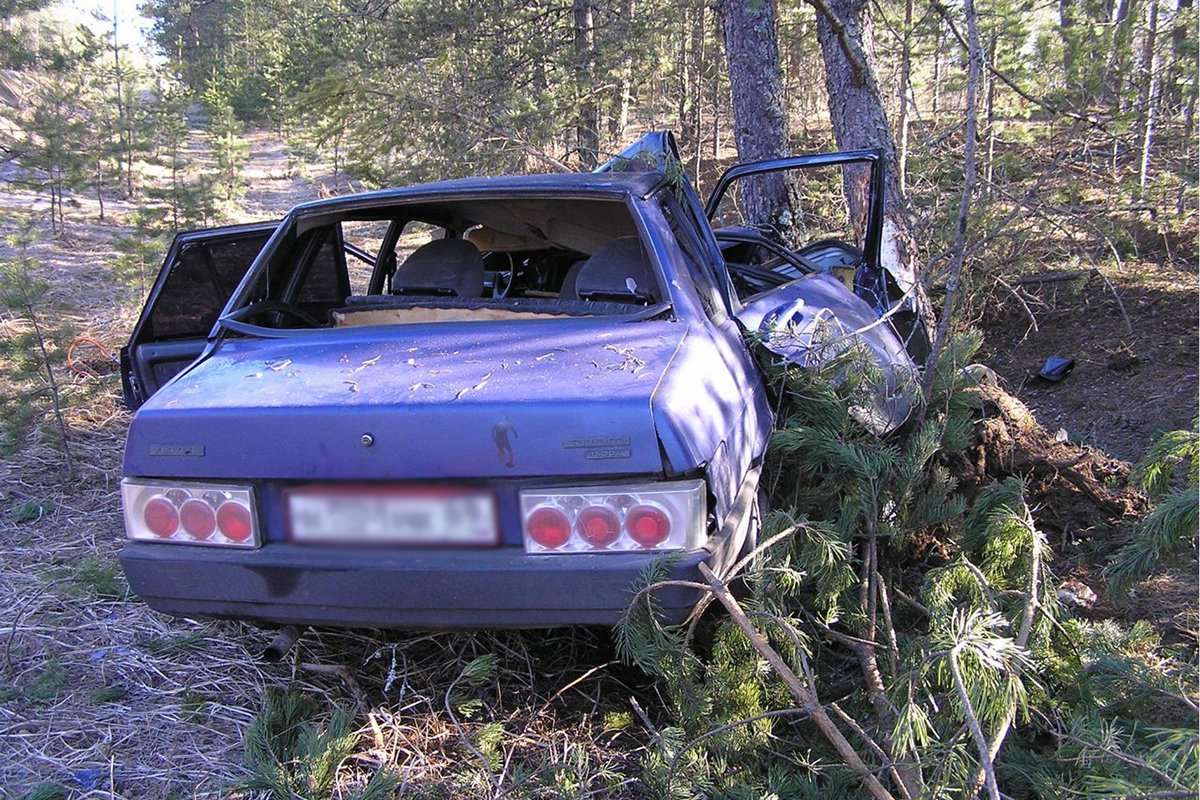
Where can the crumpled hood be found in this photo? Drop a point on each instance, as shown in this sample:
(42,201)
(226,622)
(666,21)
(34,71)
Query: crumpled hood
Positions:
(479,400)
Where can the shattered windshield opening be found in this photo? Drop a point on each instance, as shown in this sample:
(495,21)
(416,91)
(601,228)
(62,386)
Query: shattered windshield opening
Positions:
(460,260)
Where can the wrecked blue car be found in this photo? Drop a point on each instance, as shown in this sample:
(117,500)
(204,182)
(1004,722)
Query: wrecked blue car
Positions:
(489,402)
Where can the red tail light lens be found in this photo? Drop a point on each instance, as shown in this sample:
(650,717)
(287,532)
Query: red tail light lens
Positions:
(160,517)
(234,521)
(549,527)
(599,526)
(647,525)
(613,519)
(188,513)
(197,519)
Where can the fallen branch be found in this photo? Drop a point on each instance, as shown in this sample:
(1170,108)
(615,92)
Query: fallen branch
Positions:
(804,696)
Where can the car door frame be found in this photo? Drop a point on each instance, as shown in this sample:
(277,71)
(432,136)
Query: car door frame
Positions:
(873,235)
(140,353)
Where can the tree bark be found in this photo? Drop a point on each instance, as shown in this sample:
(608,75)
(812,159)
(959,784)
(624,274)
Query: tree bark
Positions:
(970,134)
(620,120)
(759,122)
(859,121)
(587,129)
(905,89)
(1150,91)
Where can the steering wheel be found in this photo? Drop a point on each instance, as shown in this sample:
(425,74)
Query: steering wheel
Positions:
(285,309)
(504,279)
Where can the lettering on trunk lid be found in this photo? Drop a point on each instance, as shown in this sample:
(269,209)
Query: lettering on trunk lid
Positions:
(600,447)
(193,450)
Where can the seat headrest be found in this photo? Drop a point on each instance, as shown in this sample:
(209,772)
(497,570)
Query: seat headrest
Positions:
(618,269)
(443,265)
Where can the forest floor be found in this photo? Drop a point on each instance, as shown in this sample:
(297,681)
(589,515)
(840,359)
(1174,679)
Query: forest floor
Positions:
(109,699)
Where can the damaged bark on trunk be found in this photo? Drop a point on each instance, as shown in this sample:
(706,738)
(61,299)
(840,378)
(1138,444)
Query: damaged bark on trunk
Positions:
(759,121)
(856,111)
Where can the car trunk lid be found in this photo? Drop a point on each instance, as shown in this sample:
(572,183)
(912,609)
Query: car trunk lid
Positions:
(478,400)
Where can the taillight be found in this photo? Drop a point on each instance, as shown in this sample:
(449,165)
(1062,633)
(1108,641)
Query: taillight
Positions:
(198,519)
(647,525)
(161,517)
(599,526)
(549,527)
(186,513)
(629,517)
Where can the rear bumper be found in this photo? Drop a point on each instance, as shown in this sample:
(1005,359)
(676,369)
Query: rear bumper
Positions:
(504,587)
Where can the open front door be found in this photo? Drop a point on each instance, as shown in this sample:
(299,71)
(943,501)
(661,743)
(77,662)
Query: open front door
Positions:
(197,278)
(822,239)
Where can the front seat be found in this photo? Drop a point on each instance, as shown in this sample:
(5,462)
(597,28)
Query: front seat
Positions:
(617,271)
(441,267)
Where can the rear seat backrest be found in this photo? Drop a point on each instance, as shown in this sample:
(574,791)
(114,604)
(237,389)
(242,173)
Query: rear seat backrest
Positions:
(443,266)
(619,269)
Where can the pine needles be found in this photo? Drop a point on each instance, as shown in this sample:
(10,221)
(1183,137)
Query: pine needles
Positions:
(930,615)
(1173,460)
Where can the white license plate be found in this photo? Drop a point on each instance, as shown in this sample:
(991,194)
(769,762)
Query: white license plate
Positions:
(375,516)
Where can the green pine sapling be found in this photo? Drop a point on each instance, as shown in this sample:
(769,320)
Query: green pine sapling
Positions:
(33,346)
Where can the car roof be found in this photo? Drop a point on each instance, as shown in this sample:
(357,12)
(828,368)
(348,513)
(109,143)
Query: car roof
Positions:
(619,184)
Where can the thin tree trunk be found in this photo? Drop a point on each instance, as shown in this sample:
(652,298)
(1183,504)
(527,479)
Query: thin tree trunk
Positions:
(937,70)
(698,47)
(759,121)
(125,135)
(1066,28)
(620,120)
(905,89)
(99,187)
(958,256)
(1150,95)
(587,129)
(54,395)
(990,119)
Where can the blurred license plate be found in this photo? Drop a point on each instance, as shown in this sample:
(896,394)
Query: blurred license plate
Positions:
(450,517)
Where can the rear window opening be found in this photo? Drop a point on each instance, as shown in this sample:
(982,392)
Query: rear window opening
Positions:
(458,261)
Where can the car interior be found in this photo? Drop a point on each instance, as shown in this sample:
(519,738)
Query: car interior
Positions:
(484,259)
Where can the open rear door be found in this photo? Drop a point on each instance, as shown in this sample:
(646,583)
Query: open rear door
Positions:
(197,278)
(823,239)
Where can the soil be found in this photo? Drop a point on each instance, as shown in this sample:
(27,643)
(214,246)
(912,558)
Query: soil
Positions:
(1131,381)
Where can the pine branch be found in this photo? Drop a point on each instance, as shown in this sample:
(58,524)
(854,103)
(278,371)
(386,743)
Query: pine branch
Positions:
(803,695)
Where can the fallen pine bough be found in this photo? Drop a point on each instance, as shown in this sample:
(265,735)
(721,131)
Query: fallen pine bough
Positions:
(898,631)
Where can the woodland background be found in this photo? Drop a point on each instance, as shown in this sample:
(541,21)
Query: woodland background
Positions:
(1042,182)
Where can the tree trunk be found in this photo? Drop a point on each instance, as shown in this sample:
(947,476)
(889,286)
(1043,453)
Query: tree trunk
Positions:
(1149,96)
(905,89)
(620,120)
(699,36)
(587,129)
(990,119)
(1181,58)
(937,70)
(759,122)
(859,122)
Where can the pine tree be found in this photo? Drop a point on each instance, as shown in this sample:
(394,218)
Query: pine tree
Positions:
(33,350)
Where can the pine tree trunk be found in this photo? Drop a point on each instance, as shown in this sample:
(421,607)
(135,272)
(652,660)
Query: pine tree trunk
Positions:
(859,122)
(620,121)
(587,130)
(937,70)
(759,122)
(1180,56)
(1149,93)
(905,90)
